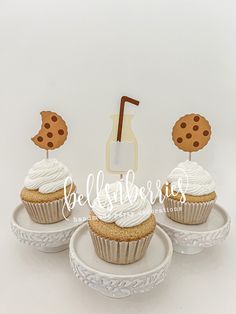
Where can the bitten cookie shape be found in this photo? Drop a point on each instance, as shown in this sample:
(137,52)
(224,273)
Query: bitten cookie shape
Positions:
(53,132)
(191,132)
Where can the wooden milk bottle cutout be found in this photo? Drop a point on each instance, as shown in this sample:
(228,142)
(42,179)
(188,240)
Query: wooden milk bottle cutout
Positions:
(191,133)
(122,146)
(53,132)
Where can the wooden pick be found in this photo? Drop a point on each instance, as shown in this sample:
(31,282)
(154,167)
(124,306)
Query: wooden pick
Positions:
(123,100)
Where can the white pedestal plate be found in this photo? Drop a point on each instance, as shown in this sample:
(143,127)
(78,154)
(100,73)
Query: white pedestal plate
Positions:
(192,239)
(47,237)
(119,281)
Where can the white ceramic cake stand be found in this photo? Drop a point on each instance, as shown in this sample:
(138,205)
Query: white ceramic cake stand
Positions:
(47,237)
(192,239)
(119,281)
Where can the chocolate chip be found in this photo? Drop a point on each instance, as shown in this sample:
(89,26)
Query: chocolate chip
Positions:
(196,144)
(188,135)
(179,140)
(47,125)
(50,144)
(39,138)
(205,133)
(196,118)
(183,125)
(60,132)
(49,134)
(195,127)
(54,118)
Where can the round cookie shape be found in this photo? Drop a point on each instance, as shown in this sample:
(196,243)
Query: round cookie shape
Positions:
(191,132)
(53,132)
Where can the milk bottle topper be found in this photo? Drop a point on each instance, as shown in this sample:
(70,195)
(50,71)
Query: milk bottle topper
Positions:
(122,149)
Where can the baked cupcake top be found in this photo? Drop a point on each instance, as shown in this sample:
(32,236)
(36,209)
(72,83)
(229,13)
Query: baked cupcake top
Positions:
(123,204)
(191,178)
(47,176)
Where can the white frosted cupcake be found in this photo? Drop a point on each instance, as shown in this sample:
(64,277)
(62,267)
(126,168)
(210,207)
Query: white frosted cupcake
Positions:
(43,192)
(121,224)
(190,193)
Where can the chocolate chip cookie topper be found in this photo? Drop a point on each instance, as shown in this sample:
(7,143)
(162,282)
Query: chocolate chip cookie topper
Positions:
(53,132)
(191,133)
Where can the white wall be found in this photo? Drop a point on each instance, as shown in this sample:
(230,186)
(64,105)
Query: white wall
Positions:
(79,57)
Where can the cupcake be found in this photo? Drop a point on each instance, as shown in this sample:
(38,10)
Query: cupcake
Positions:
(189,195)
(121,223)
(43,192)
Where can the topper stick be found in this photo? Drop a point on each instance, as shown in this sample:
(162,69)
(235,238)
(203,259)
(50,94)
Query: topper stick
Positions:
(47,154)
(189,156)
(123,100)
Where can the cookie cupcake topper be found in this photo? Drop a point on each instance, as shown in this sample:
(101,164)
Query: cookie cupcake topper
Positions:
(191,133)
(53,132)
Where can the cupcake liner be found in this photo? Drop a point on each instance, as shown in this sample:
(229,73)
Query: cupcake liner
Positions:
(188,213)
(46,213)
(117,252)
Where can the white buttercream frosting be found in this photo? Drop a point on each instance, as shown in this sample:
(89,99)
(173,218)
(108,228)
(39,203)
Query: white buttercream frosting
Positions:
(47,176)
(192,179)
(122,203)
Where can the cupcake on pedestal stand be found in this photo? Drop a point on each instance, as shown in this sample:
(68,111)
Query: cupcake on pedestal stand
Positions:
(120,251)
(193,220)
(43,220)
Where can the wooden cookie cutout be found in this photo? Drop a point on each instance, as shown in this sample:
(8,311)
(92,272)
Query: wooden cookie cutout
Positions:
(191,132)
(53,132)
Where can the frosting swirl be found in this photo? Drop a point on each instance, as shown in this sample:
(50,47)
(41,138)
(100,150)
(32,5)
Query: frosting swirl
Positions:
(190,178)
(121,202)
(46,176)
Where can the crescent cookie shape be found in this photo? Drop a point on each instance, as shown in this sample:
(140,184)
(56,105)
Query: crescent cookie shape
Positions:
(191,132)
(53,132)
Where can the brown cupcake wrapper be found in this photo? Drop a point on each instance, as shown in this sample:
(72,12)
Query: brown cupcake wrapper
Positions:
(120,252)
(47,213)
(188,213)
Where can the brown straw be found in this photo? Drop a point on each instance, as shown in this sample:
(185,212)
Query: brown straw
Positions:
(123,100)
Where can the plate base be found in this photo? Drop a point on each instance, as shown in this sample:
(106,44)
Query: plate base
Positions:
(189,250)
(53,249)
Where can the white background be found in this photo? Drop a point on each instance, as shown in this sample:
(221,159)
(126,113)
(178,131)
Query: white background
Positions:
(78,58)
